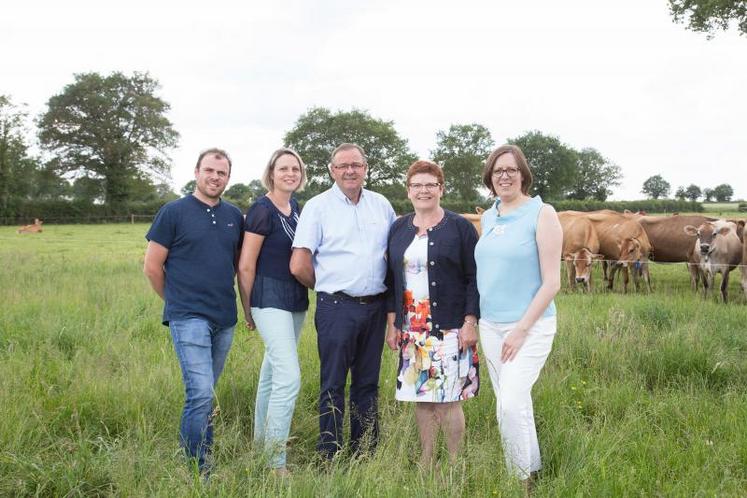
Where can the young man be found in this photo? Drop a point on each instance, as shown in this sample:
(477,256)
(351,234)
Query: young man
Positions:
(193,246)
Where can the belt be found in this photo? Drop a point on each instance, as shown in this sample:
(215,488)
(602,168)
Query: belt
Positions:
(356,299)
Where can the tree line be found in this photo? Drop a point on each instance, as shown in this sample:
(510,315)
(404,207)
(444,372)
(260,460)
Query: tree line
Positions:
(105,142)
(656,187)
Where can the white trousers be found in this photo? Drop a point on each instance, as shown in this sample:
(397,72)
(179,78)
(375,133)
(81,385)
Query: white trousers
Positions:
(512,383)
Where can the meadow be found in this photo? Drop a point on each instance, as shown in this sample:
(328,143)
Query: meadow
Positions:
(643,394)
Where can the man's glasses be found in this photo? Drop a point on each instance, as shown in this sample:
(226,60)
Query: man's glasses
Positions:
(345,166)
(421,186)
(509,172)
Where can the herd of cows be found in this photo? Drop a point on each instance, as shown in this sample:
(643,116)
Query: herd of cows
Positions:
(627,242)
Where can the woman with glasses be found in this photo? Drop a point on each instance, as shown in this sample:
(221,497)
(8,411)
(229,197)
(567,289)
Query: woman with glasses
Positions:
(518,275)
(433,310)
(273,300)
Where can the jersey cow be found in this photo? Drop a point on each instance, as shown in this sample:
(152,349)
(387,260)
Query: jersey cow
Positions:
(671,243)
(718,250)
(580,248)
(624,242)
(475,219)
(35,228)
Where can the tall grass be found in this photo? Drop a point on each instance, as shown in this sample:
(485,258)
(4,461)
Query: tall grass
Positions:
(643,394)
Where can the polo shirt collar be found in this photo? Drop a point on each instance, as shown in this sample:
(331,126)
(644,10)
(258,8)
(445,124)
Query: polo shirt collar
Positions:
(202,204)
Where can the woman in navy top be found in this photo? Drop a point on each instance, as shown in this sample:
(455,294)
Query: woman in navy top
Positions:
(433,310)
(274,302)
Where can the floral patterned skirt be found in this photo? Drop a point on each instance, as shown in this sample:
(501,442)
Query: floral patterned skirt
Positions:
(431,367)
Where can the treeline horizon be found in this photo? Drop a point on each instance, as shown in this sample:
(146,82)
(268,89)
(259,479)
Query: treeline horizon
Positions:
(105,143)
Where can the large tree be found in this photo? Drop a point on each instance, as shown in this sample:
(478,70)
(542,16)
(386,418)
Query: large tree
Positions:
(109,127)
(723,192)
(692,192)
(318,131)
(462,151)
(656,187)
(595,175)
(708,16)
(553,164)
(15,164)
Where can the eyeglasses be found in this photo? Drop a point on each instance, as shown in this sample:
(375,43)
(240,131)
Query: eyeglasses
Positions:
(427,186)
(510,172)
(345,166)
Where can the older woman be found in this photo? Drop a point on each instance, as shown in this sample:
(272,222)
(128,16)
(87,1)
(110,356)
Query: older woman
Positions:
(433,310)
(518,275)
(273,300)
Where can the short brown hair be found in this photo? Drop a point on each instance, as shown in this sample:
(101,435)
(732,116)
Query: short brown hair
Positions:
(427,167)
(217,154)
(521,162)
(267,181)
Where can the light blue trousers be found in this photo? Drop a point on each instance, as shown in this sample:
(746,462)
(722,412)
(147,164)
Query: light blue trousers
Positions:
(279,379)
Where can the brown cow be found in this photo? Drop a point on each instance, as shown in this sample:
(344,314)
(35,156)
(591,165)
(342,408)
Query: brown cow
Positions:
(624,241)
(35,228)
(671,243)
(475,218)
(580,248)
(718,250)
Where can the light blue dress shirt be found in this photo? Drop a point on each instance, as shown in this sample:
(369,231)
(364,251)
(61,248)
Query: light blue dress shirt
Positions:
(347,241)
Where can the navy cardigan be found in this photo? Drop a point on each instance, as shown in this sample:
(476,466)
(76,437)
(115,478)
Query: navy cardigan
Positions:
(451,269)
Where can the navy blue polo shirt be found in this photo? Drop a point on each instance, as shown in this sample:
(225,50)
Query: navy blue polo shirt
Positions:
(274,285)
(203,243)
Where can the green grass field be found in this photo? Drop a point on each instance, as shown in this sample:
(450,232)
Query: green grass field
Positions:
(643,394)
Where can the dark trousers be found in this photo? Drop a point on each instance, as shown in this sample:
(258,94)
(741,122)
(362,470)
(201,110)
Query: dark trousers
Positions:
(350,337)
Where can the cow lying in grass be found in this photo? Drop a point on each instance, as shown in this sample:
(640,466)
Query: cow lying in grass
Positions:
(35,228)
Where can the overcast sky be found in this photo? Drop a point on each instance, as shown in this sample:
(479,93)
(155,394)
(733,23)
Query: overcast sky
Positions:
(617,76)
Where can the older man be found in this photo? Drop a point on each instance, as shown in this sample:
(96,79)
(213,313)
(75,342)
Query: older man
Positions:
(193,246)
(339,251)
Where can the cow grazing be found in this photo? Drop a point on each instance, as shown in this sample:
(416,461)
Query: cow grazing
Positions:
(718,250)
(623,241)
(35,228)
(580,248)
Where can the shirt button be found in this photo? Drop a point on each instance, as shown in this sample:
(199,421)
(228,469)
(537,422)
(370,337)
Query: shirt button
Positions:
(208,210)
(430,243)
(213,222)
(435,304)
(437,326)
(433,284)
(430,229)
(433,263)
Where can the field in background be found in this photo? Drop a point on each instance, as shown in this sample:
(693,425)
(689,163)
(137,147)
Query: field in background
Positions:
(643,394)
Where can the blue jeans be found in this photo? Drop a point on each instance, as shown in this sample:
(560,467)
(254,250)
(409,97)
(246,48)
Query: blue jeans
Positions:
(279,379)
(202,348)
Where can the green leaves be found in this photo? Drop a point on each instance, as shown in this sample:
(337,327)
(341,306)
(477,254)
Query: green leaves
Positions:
(113,127)
(317,132)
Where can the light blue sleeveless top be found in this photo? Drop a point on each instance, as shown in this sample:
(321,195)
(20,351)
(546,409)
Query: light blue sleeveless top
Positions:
(508,269)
